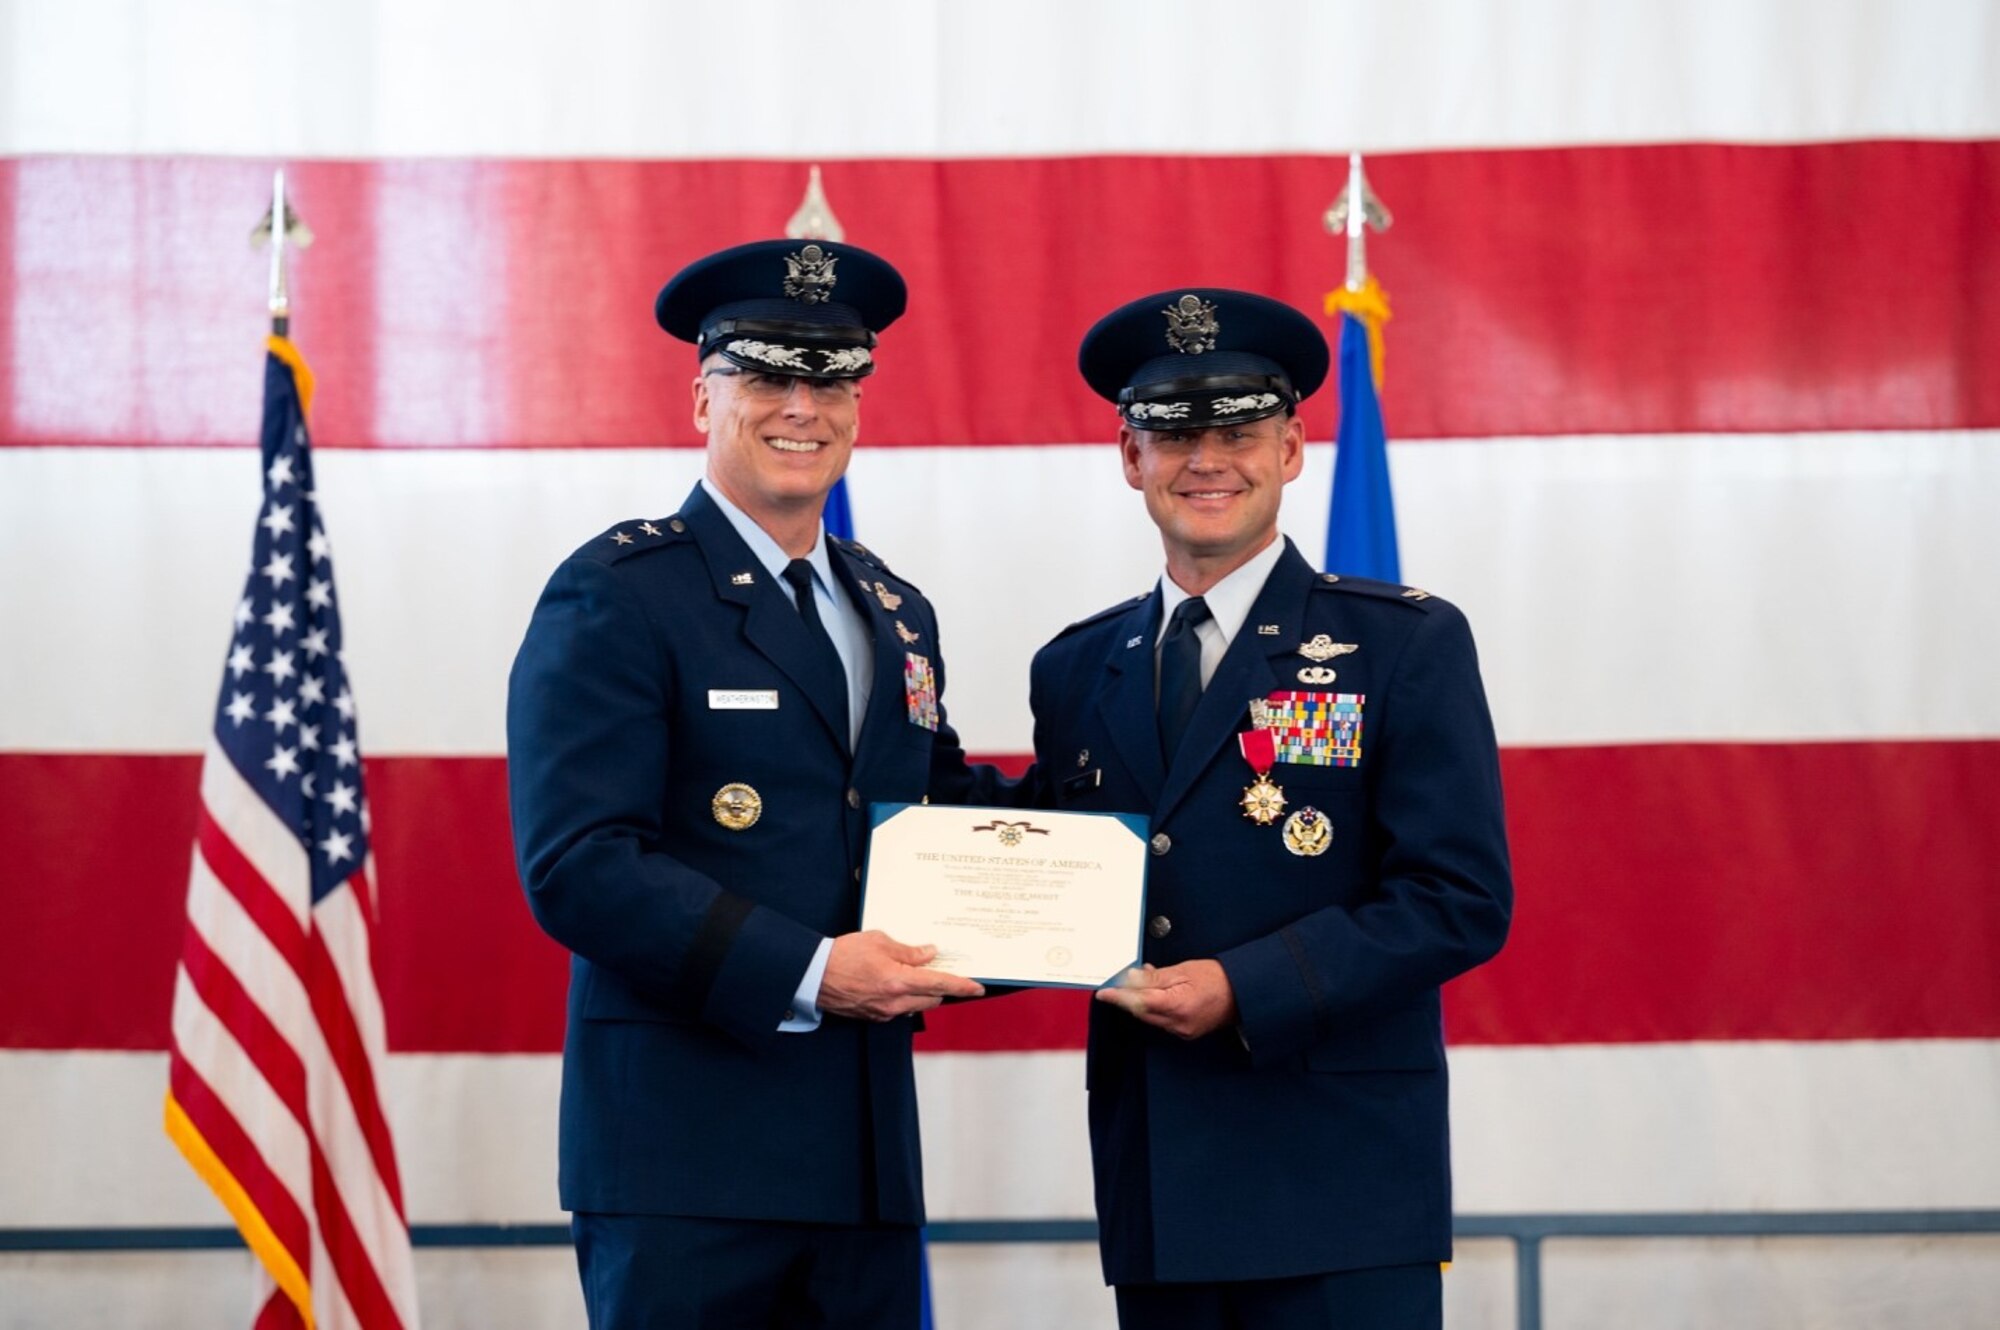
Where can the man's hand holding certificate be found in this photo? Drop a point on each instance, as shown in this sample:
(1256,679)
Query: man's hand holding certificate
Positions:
(1036,898)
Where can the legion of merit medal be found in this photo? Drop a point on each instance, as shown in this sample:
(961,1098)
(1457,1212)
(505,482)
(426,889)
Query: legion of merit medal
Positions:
(1262,800)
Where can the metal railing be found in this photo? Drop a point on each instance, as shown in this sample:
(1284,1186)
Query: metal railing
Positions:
(1526,1231)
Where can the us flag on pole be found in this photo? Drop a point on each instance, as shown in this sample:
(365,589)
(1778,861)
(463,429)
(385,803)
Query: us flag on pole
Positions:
(277,1040)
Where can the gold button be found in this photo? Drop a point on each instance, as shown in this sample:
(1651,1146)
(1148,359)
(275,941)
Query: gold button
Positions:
(1160,925)
(1329,577)
(1162,842)
(678,525)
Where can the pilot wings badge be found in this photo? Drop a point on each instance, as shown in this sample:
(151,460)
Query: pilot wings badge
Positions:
(1323,648)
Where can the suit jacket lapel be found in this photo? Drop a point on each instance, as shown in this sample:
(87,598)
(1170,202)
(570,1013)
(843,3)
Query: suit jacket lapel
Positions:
(1131,714)
(1247,670)
(771,623)
(886,705)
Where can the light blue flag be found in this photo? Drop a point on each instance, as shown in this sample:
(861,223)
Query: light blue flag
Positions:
(1361,521)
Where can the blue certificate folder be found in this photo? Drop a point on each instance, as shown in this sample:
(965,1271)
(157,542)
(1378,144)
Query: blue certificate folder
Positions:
(999,830)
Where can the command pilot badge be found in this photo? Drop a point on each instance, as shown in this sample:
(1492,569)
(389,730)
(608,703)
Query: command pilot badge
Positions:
(737,806)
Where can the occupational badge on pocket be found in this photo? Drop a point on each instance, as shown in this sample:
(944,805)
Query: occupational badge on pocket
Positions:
(920,690)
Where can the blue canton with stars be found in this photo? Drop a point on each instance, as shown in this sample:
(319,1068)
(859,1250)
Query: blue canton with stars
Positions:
(285,716)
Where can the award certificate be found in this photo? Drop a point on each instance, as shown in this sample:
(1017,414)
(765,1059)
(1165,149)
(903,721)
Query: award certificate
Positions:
(1007,896)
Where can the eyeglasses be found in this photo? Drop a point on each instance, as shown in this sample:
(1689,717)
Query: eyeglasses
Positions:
(777,387)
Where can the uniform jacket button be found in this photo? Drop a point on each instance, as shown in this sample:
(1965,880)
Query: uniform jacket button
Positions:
(1159,926)
(1162,842)
(853,797)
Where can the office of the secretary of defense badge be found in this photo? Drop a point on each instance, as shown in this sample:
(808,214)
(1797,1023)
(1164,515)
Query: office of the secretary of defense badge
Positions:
(737,806)
(1308,833)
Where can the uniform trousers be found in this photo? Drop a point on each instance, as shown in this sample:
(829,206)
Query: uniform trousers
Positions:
(669,1272)
(1391,1297)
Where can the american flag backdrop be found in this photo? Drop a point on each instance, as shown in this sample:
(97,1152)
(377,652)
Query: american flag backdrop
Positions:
(277,1025)
(1692,396)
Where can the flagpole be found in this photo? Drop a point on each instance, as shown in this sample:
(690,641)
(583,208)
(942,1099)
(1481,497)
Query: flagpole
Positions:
(281,225)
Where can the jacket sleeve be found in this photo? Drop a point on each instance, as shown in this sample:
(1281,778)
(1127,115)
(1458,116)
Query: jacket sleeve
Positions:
(588,752)
(954,780)
(1444,892)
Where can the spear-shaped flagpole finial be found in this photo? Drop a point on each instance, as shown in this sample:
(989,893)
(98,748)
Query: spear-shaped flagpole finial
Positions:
(279,226)
(815,220)
(1352,213)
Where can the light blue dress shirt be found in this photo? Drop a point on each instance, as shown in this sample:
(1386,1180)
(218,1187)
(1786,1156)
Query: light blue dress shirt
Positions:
(856,648)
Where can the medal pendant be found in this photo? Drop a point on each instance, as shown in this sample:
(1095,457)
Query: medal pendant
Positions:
(1263,801)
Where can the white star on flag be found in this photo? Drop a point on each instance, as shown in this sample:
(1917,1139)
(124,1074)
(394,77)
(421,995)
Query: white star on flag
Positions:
(283,762)
(279,619)
(240,708)
(282,714)
(343,751)
(319,594)
(312,690)
(279,569)
(279,519)
(241,660)
(281,471)
(338,845)
(314,643)
(341,797)
(280,666)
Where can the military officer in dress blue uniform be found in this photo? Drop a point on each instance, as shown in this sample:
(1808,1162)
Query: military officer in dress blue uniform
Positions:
(705,705)
(1267,1091)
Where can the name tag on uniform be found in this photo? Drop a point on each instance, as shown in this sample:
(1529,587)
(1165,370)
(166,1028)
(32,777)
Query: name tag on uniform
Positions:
(742,699)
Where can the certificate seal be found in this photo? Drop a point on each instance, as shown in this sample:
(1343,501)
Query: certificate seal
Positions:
(737,806)
(1058,957)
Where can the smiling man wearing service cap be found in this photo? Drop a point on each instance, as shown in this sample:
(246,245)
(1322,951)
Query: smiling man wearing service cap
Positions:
(705,705)
(1267,1091)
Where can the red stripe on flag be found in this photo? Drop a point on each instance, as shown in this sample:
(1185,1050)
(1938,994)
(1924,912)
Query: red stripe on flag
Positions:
(1626,289)
(350,1059)
(1699,891)
(274,1056)
(233,1147)
(266,908)
(359,1280)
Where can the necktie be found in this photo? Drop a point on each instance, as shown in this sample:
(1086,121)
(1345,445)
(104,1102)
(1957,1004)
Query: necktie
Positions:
(1180,674)
(800,574)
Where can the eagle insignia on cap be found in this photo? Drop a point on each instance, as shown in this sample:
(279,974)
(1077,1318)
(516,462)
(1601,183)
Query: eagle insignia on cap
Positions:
(809,275)
(1191,325)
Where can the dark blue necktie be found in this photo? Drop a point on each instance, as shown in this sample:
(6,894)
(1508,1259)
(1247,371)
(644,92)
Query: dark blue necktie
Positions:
(1180,674)
(800,574)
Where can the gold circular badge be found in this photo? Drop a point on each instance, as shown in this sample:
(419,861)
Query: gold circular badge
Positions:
(1263,800)
(737,806)
(1307,832)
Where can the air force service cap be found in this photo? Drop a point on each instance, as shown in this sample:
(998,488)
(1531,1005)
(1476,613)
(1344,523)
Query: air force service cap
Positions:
(1198,357)
(805,307)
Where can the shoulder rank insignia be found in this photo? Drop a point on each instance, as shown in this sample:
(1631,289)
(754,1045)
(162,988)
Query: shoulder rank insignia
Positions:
(1415,593)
